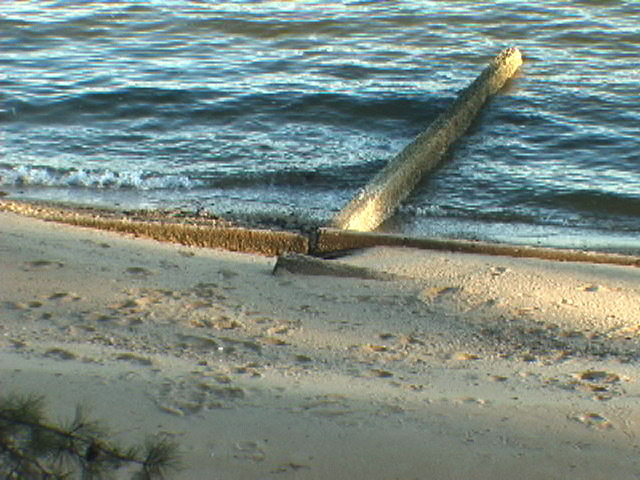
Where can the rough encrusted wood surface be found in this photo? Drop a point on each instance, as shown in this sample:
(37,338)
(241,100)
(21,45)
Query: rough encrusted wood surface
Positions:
(378,199)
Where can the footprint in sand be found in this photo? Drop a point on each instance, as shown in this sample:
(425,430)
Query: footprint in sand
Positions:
(206,290)
(497,271)
(140,272)
(598,376)
(465,356)
(15,305)
(599,382)
(40,265)
(97,244)
(249,450)
(327,406)
(369,348)
(221,322)
(305,359)
(233,344)
(278,342)
(280,329)
(436,294)
(198,343)
(64,297)
(594,420)
(60,354)
(227,274)
(470,401)
(379,373)
(593,288)
(290,467)
(190,395)
(135,359)
(528,358)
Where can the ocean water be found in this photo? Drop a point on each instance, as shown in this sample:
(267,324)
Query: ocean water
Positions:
(285,109)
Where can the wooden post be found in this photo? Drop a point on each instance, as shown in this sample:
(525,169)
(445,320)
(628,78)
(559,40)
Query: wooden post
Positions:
(377,200)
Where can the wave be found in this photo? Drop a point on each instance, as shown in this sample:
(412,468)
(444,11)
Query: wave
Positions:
(178,107)
(24,176)
(496,214)
(348,177)
(108,105)
(603,211)
(597,203)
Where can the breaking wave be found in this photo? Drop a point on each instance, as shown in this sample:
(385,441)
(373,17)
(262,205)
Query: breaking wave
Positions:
(23,176)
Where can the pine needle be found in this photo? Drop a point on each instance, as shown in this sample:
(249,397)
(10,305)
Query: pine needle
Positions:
(32,449)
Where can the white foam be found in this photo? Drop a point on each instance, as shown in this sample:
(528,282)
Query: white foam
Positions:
(100,179)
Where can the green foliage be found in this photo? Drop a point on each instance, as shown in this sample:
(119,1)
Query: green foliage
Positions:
(33,449)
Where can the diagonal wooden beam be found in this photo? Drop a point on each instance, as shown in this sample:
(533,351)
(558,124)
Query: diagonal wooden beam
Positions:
(377,200)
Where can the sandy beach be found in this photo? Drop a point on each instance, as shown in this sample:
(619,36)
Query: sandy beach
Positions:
(441,366)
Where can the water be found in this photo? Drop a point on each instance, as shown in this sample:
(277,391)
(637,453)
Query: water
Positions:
(287,108)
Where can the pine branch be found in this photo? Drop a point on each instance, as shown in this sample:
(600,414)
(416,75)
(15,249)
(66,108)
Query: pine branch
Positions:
(162,455)
(25,463)
(26,441)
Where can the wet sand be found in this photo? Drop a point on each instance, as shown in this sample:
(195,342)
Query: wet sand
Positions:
(448,366)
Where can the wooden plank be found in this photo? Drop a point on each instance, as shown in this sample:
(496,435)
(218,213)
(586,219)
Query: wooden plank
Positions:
(334,240)
(236,239)
(377,200)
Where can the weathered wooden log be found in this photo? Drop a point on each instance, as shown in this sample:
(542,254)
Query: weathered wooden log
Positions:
(377,200)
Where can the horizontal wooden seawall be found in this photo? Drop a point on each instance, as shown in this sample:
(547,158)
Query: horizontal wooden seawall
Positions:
(236,239)
(325,242)
(334,240)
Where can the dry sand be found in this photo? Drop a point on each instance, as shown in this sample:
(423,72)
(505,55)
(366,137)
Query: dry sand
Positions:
(464,367)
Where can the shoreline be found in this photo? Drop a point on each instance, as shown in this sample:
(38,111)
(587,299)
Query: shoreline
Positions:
(460,365)
(268,238)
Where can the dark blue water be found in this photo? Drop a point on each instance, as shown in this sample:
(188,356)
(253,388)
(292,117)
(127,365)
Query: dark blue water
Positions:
(287,108)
